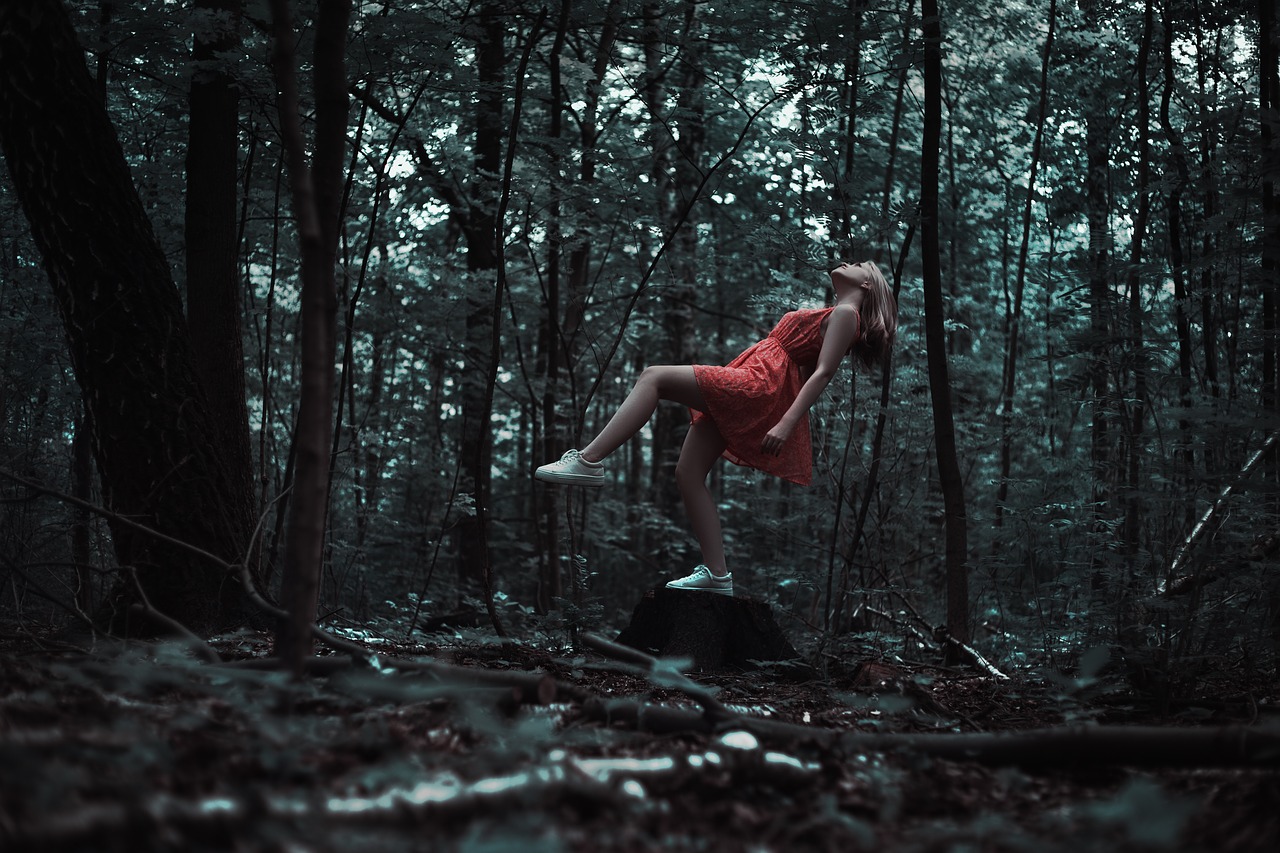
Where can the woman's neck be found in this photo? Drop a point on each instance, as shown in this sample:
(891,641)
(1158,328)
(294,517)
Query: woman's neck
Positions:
(854,298)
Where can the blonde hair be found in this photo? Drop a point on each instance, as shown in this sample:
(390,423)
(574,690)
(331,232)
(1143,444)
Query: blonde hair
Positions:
(877,321)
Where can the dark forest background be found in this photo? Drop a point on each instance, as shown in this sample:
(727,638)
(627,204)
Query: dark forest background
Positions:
(516,206)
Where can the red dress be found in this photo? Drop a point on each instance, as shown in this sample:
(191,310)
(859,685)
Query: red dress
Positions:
(747,397)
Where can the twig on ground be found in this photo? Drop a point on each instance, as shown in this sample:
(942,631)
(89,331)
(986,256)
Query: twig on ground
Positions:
(1066,746)
(943,638)
(711,706)
(197,644)
(91,822)
(39,591)
(533,688)
(968,653)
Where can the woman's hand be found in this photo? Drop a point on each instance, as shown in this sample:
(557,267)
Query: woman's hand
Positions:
(775,438)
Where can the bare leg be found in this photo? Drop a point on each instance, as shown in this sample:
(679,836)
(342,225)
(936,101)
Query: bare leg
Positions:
(673,382)
(702,447)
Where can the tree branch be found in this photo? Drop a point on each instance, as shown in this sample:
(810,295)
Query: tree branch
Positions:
(1197,532)
(649,666)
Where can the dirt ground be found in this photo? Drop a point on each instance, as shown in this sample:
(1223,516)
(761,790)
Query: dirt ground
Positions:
(144,748)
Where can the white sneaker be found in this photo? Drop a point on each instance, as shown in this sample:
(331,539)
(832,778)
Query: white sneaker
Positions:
(572,470)
(703,581)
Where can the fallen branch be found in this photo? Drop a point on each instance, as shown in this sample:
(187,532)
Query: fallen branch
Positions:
(89,823)
(1066,746)
(531,688)
(196,643)
(1197,532)
(967,652)
(942,637)
(1263,547)
(649,666)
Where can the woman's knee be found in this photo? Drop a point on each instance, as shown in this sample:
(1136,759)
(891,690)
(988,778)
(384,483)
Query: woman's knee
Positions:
(702,447)
(690,475)
(675,382)
(654,375)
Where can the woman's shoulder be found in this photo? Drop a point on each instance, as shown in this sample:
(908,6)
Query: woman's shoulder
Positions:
(841,315)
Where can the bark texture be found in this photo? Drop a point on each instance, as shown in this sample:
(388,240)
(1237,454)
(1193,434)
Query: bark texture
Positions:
(212,284)
(317,193)
(153,438)
(950,479)
(482,261)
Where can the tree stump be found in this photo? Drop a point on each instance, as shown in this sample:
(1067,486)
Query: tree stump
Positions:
(716,631)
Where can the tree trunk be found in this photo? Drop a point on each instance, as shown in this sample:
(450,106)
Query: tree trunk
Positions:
(676,173)
(1269,101)
(212,249)
(1208,245)
(1020,280)
(895,130)
(849,123)
(317,190)
(560,347)
(1269,84)
(1173,207)
(950,479)
(680,333)
(1138,407)
(1099,320)
(81,530)
(476,446)
(550,337)
(154,440)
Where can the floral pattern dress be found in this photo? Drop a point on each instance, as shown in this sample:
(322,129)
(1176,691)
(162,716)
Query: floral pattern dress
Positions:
(749,395)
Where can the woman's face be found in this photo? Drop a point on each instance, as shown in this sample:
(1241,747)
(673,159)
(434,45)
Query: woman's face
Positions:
(850,275)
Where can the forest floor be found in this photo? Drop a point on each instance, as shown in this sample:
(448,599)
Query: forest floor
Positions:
(142,747)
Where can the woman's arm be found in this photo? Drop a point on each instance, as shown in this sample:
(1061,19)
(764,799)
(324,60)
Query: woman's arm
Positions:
(841,330)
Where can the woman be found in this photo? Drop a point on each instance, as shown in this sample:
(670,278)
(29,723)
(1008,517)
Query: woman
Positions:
(754,411)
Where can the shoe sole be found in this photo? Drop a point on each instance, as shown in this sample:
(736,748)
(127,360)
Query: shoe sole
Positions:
(728,591)
(568,479)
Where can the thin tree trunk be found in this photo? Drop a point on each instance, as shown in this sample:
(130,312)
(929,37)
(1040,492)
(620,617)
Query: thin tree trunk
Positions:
(316,191)
(106,9)
(949,476)
(849,123)
(500,257)
(1177,269)
(872,482)
(677,174)
(1269,100)
(1099,320)
(1051,360)
(1269,103)
(653,90)
(476,445)
(1208,247)
(1138,407)
(82,488)
(550,338)
(1020,280)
